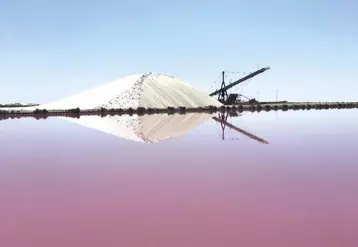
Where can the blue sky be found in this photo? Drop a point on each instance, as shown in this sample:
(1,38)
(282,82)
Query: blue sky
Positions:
(52,49)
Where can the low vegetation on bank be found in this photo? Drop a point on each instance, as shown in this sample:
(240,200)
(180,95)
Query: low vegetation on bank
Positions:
(77,112)
(13,105)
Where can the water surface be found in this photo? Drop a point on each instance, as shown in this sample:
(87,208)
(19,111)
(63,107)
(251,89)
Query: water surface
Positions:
(64,184)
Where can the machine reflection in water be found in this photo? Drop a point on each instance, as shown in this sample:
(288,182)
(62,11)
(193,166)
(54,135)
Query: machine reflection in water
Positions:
(223,120)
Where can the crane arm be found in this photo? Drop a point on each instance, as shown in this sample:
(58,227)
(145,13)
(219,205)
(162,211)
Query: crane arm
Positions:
(239,81)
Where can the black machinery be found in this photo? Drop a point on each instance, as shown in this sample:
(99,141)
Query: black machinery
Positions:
(230,99)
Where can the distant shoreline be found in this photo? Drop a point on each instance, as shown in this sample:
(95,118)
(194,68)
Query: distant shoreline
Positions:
(17,105)
(257,107)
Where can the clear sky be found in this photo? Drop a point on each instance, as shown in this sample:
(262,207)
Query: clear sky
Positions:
(50,49)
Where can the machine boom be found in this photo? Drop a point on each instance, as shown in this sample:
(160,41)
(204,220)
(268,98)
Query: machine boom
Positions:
(225,88)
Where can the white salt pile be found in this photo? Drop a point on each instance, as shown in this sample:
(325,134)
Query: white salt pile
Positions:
(151,90)
(147,128)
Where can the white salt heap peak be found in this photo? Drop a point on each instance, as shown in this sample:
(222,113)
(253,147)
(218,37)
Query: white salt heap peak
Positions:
(147,128)
(150,90)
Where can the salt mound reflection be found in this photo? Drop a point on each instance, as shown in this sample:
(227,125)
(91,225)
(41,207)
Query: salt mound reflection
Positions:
(147,128)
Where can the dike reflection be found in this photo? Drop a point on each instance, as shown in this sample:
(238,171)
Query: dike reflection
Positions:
(156,128)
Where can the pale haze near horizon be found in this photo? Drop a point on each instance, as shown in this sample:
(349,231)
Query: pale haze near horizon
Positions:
(53,49)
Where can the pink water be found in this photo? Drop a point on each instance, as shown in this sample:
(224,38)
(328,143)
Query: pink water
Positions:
(64,185)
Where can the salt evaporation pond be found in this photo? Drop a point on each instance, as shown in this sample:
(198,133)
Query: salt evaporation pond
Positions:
(69,183)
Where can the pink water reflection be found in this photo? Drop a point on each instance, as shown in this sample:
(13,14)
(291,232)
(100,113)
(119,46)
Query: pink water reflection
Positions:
(103,191)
